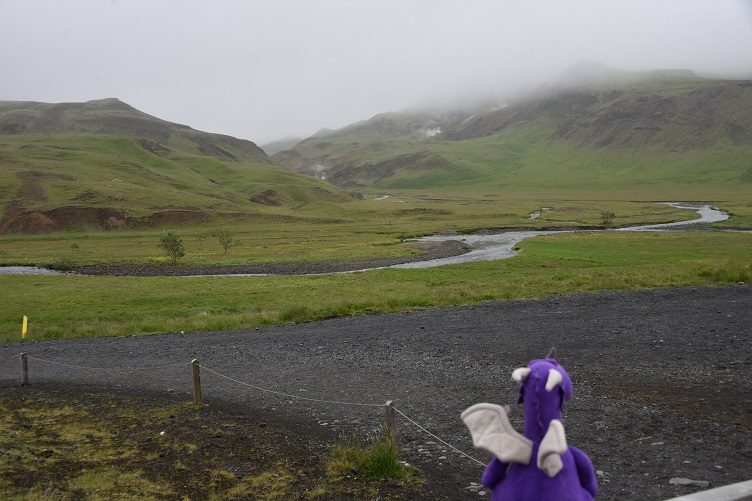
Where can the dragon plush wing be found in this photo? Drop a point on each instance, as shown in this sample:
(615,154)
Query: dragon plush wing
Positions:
(553,445)
(491,430)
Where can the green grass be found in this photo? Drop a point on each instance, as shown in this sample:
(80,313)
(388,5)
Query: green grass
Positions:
(371,456)
(77,306)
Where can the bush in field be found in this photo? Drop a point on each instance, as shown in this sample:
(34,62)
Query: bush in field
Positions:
(172,243)
(608,217)
(226,238)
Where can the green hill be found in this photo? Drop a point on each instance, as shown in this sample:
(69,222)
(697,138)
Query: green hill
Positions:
(105,164)
(653,132)
(112,116)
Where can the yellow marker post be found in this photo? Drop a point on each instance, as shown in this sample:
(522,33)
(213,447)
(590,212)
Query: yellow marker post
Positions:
(25,326)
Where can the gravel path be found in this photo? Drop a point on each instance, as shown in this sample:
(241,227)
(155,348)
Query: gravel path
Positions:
(661,378)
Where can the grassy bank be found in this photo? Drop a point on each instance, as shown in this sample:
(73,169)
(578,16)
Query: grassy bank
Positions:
(76,306)
(362,230)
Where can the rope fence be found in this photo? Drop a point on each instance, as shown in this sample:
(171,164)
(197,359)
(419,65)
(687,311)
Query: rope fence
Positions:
(196,368)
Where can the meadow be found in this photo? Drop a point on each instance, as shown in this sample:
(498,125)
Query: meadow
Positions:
(75,306)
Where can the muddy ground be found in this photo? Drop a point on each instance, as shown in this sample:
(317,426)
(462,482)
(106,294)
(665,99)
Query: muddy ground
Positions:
(661,379)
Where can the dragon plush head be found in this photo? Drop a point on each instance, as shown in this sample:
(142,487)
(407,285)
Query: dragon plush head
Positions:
(544,389)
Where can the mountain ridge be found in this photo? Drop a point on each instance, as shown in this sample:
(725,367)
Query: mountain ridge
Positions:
(104,164)
(658,113)
(113,116)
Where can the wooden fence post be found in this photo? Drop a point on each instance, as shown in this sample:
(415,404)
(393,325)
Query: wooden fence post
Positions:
(196,382)
(24,369)
(390,429)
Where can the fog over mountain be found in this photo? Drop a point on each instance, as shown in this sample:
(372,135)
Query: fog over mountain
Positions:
(264,70)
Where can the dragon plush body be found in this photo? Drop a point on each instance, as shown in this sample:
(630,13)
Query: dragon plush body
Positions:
(538,465)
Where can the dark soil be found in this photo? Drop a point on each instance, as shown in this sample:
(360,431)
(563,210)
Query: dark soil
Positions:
(168,441)
(661,379)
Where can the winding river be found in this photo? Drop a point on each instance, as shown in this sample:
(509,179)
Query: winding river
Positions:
(484,247)
(501,245)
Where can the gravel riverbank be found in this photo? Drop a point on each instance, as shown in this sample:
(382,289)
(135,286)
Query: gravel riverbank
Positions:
(661,379)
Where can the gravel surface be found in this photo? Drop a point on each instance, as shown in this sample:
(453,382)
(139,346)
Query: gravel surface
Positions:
(661,379)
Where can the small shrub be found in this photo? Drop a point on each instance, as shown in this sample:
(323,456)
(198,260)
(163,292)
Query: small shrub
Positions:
(226,238)
(172,243)
(371,456)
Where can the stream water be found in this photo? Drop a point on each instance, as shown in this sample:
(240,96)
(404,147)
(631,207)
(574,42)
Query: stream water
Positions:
(26,270)
(484,247)
(501,245)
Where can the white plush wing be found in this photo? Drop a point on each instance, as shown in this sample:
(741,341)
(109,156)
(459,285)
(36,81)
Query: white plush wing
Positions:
(491,430)
(553,445)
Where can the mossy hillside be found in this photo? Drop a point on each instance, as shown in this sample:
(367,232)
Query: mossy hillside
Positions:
(522,158)
(45,172)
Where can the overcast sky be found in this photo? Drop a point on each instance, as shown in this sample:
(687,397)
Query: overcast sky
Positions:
(265,69)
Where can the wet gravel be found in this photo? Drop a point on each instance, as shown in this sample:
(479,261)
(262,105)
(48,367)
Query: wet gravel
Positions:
(661,379)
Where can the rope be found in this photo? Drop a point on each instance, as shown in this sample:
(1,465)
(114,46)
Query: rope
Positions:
(107,368)
(440,440)
(266,390)
(297,397)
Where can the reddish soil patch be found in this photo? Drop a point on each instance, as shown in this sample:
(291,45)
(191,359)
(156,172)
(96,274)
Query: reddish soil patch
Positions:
(66,218)
(61,219)
(268,197)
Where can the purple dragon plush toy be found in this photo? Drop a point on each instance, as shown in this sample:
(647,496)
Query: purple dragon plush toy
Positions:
(539,465)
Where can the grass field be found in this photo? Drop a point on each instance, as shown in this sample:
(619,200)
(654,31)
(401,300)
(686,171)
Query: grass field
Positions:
(76,306)
(362,230)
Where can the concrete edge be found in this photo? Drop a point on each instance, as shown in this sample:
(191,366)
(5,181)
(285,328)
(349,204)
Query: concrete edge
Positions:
(741,491)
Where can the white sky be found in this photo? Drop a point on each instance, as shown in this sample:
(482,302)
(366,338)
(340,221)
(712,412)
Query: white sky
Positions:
(265,69)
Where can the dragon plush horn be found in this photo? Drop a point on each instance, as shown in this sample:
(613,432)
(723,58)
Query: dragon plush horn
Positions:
(551,353)
(554,379)
(520,375)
